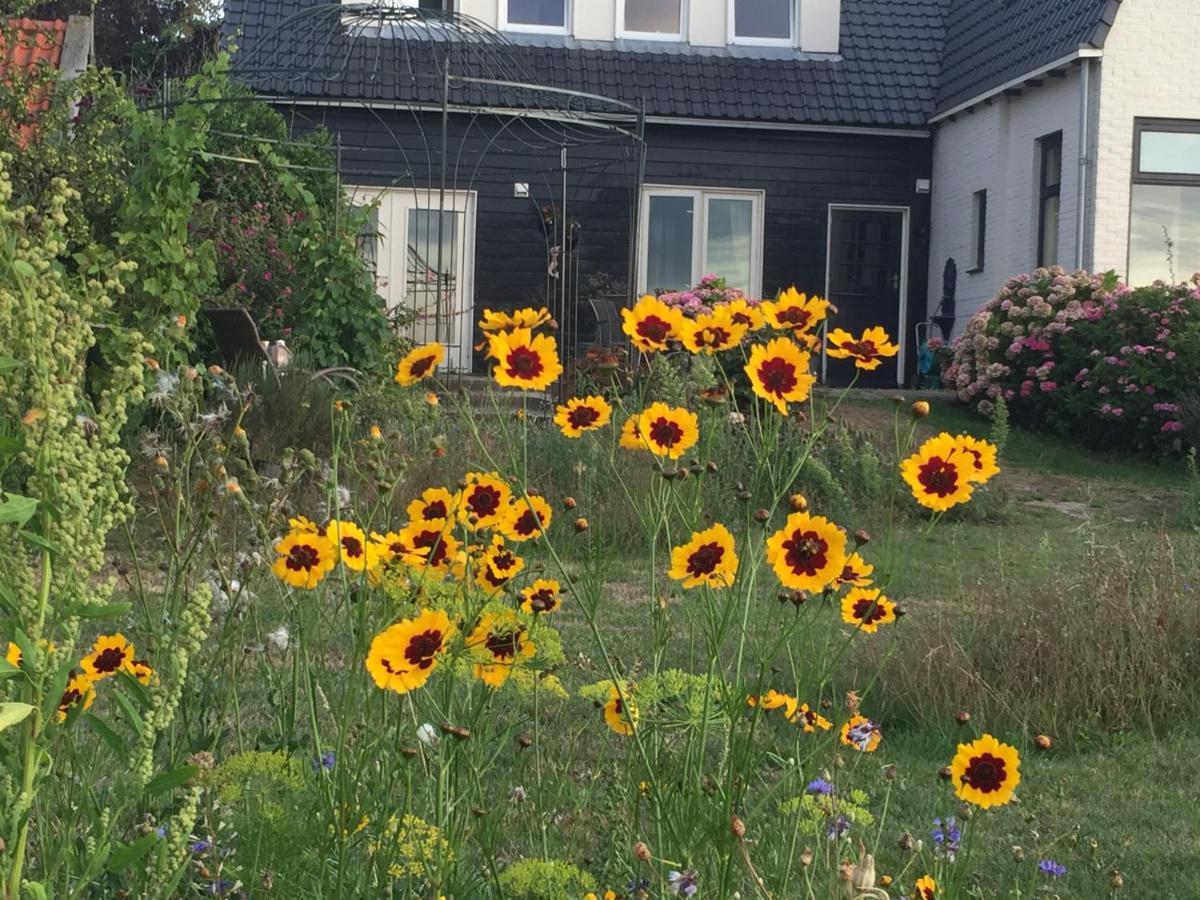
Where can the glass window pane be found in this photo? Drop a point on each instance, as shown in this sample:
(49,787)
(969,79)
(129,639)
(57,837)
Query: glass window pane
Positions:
(432,249)
(1164,236)
(728,244)
(652,16)
(1048,253)
(763,19)
(1172,152)
(1052,165)
(669,257)
(547,13)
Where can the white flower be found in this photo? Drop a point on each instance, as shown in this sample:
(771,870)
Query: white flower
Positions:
(428,735)
(736,418)
(280,638)
(518,794)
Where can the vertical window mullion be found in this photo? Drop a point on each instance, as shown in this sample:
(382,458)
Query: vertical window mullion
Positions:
(700,237)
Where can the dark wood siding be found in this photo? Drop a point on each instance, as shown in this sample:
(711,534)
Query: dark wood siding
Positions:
(800,172)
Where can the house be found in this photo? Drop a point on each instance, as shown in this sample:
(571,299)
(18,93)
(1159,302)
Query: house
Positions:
(31,49)
(1065,132)
(901,158)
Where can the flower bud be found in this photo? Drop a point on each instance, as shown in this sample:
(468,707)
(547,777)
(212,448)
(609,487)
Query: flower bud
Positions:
(944,773)
(1116,881)
(525,741)
(1043,742)
(737,827)
(762,515)
(569,503)
(906,843)
(920,409)
(806,858)
(641,851)
(862,536)
(1018,854)
(581,525)
(798,503)
(710,467)
(963,717)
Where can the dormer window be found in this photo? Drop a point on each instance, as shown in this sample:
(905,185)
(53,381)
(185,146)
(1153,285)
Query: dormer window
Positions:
(762,22)
(541,16)
(655,20)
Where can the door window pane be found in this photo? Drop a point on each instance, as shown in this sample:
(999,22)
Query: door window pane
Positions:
(763,19)
(652,16)
(1049,248)
(1171,152)
(544,13)
(729,242)
(1164,239)
(432,267)
(669,247)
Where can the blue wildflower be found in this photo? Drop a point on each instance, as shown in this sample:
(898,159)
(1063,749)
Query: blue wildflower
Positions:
(200,846)
(838,826)
(325,763)
(946,838)
(684,883)
(820,787)
(1051,868)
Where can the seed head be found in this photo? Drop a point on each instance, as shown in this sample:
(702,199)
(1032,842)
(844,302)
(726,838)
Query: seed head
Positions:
(641,851)
(920,409)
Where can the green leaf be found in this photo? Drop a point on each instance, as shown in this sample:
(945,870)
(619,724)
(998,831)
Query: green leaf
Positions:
(132,715)
(7,364)
(16,510)
(36,890)
(170,780)
(24,269)
(38,541)
(107,734)
(8,670)
(105,611)
(13,714)
(127,854)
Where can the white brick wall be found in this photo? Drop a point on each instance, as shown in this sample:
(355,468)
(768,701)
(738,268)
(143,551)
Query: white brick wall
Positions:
(1149,71)
(995,148)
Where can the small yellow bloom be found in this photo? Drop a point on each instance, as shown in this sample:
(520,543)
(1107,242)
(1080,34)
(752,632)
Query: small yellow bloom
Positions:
(620,712)
(431,398)
(376,433)
(419,364)
(709,558)
(985,772)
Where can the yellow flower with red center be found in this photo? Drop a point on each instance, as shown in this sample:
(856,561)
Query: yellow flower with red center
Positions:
(582,414)
(868,609)
(714,332)
(810,720)
(355,552)
(709,558)
(527,317)
(427,544)
(394,548)
(13,655)
(483,503)
(499,643)
(402,657)
(743,312)
(527,519)
(980,458)
(985,772)
(436,504)
(862,734)
(419,364)
(80,691)
(651,325)
(868,351)
(774,699)
(939,473)
(303,525)
(808,553)
(668,431)
(142,671)
(111,653)
(496,566)
(926,888)
(524,360)
(305,558)
(857,571)
(795,312)
(620,712)
(778,372)
(631,439)
(543,596)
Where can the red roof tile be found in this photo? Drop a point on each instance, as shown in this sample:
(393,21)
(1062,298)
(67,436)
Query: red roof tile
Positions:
(34,43)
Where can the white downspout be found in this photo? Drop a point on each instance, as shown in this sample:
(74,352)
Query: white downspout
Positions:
(1085,131)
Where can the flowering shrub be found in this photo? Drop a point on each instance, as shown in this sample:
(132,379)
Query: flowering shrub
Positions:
(1084,354)
(700,299)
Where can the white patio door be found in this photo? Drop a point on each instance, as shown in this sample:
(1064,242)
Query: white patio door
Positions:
(423,250)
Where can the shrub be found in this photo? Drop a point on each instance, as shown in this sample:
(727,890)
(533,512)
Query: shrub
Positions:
(1085,355)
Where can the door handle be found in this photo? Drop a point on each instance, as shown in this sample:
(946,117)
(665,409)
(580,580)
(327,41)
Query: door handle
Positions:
(895,282)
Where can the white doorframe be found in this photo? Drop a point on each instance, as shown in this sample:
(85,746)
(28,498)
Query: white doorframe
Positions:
(392,262)
(902,338)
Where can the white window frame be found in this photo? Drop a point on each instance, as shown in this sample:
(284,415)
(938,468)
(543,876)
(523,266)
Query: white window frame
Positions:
(792,41)
(700,197)
(624,33)
(565,28)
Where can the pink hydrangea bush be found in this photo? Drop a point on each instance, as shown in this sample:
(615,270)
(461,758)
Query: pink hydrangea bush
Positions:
(1085,354)
(700,299)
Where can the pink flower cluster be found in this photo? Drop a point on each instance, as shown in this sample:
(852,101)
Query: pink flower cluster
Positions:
(700,299)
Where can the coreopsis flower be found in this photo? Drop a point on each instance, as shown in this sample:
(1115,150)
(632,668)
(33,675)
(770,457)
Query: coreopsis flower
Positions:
(808,553)
(80,691)
(631,438)
(305,558)
(355,552)
(709,558)
(496,566)
(304,525)
(981,458)
(527,519)
(524,360)
(543,596)
(620,712)
(13,655)
(142,671)
(436,504)
(774,699)
(810,720)
(867,608)
(862,734)
(778,372)
(428,544)
(527,317)
(483,503)
(856,572)
(499,643)
(939,473)
(582,414)
(111,653)
(420,363)
(394,548)
(714,332)
(742,312)
(867,351)
(402,657)
(668,431)
(926,888)
(985,772)
(795,312)
(651,325)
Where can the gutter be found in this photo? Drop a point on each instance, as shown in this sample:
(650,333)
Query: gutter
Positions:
(1085,135)
(1080,54)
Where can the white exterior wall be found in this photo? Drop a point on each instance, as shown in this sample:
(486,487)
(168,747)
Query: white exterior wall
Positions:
(1150,71)
(995,148)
